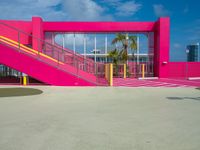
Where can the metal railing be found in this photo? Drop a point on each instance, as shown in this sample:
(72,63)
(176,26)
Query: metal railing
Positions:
(52,52)
(134,70)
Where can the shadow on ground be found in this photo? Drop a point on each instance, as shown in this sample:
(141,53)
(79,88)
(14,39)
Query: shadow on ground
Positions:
(184,98)
(198,88)
(19,91)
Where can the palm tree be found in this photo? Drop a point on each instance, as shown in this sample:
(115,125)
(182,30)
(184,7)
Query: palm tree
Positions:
(133,45)
(115,55)
(122,54)
(127,42)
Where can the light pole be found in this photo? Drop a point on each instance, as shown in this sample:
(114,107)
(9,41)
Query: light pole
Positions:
(126,49)
(137,49)
(127,38)
(186,71)
(198,51)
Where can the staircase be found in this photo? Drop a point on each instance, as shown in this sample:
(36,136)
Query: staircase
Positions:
(49,63)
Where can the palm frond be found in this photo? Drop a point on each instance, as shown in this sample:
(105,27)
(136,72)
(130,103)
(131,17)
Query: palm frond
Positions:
(119,38)
(115,55)
(133,42)
(122,54)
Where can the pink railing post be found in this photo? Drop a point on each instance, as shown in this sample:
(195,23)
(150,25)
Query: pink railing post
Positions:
(19,40)
(52,51)
(38,48)
(77,66)
(44,48)
(58,60)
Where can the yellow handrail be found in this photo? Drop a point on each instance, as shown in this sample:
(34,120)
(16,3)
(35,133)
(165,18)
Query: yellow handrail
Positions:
(17,46)
(26,49)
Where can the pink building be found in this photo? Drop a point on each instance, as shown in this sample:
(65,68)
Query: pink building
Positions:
(29,47)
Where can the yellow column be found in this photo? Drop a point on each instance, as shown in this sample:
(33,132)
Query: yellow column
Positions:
(25,79)
(124,71)
(111,74)
(143,65)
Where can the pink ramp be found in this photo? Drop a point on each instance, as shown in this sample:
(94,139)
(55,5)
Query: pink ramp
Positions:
(43,69)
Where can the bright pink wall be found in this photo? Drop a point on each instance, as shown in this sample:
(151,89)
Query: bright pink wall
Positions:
(184,69)
(25,26)
(161,45)
(98,26)
(161,29)
(37,32)
(37,28)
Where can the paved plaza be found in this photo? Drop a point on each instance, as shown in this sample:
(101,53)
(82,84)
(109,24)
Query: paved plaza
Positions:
(99,118)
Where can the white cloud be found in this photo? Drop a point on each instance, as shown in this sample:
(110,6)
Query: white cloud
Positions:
(121,7)
(160,10)
(85,10)
(177,45)
(68,10)
(25,9)
(128,8)
(48,3)
(111,2)
(79,39)
(77,10)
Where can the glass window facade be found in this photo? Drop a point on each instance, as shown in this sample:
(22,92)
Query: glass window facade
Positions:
(97,45)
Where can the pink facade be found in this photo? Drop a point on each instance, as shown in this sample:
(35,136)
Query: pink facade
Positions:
(161,47)
(37,31)
(184,69)
(13,34)
(161,28)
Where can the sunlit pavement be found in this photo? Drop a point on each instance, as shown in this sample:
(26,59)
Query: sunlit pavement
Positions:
(99,118)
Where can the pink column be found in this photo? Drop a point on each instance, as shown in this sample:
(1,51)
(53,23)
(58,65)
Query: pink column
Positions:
(161,51)
(37,32)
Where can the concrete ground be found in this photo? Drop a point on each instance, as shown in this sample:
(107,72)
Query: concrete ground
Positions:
(99,118)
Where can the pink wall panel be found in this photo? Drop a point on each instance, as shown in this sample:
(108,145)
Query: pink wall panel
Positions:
(162,42)
(37,32)
(194,69)
(13,34)
(98,26)
(184,69)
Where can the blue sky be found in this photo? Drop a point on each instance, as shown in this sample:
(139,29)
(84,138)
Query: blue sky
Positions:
(185,19)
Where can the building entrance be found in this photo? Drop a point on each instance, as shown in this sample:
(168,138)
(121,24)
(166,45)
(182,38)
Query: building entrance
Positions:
(110,48)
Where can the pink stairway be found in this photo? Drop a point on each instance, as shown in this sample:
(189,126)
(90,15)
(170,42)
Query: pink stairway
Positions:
(49,64)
